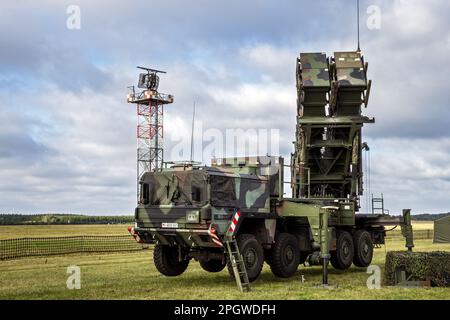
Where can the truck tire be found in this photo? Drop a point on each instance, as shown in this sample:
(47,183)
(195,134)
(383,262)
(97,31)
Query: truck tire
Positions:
(363,248)
(253,254)
(213,265)
(342,257)
(285,256)
(166,261)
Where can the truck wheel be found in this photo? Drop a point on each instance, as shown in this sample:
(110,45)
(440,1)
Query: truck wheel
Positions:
(285,256)
(213,265)
(342,258)
(166,261)
(363,248)
(252,253)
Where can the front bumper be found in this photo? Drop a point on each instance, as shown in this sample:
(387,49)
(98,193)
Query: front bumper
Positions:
(185,237)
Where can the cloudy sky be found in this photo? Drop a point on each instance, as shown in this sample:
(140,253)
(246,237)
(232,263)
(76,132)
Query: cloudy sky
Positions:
(67,135)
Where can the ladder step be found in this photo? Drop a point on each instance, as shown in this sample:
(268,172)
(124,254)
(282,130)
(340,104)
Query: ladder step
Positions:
(240,273)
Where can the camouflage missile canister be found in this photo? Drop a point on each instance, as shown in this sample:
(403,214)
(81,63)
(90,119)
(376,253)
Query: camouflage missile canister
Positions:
(327,157)
(313,84)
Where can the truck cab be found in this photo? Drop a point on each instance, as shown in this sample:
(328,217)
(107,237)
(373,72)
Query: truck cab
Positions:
(188,209)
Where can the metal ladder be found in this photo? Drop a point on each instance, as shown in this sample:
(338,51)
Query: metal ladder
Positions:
(237,262)
(376,201)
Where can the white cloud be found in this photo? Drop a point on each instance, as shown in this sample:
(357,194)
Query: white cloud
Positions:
(69,140)
(412,173)
(274,63)
(414,18)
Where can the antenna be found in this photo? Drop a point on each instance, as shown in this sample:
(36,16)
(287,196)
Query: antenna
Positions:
(150,113)
(357,21)
(149,70)
(192,134)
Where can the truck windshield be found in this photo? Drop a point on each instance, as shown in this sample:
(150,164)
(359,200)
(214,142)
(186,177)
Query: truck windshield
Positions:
(174,188)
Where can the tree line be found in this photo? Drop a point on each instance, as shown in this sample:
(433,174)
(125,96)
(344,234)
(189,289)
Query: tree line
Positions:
(19,219)
(429,216)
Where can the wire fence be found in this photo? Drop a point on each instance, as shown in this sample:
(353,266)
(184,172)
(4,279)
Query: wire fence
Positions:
(30,247)
(418,234)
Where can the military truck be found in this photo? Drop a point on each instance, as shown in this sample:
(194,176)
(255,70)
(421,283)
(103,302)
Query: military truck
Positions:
(186,210)
(198,212)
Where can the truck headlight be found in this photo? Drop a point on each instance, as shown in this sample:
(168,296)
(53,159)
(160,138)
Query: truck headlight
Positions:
(193,216)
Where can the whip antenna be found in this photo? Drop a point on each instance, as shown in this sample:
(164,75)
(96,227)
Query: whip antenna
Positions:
(357,21)
(192,134)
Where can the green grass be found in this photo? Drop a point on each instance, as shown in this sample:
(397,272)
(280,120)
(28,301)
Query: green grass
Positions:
(133,276)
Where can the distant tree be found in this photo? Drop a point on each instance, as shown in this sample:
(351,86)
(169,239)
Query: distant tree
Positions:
(17,219)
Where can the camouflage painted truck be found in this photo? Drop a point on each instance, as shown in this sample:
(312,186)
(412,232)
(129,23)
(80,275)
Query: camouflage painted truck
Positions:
(235,212)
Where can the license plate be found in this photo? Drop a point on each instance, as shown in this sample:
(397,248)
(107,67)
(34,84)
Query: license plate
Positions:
(172,225)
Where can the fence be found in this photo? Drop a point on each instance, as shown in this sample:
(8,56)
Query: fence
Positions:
(29,247)
(418,234)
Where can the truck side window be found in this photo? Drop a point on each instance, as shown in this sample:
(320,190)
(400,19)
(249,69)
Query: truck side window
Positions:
(196,194)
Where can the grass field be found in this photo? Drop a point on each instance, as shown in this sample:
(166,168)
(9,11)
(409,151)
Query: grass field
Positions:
(423,225)
(133,276)
(8,232)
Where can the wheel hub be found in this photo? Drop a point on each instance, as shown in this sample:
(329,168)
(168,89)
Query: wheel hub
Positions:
(289,254)
(365,248)
(345,250)
(250,258)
